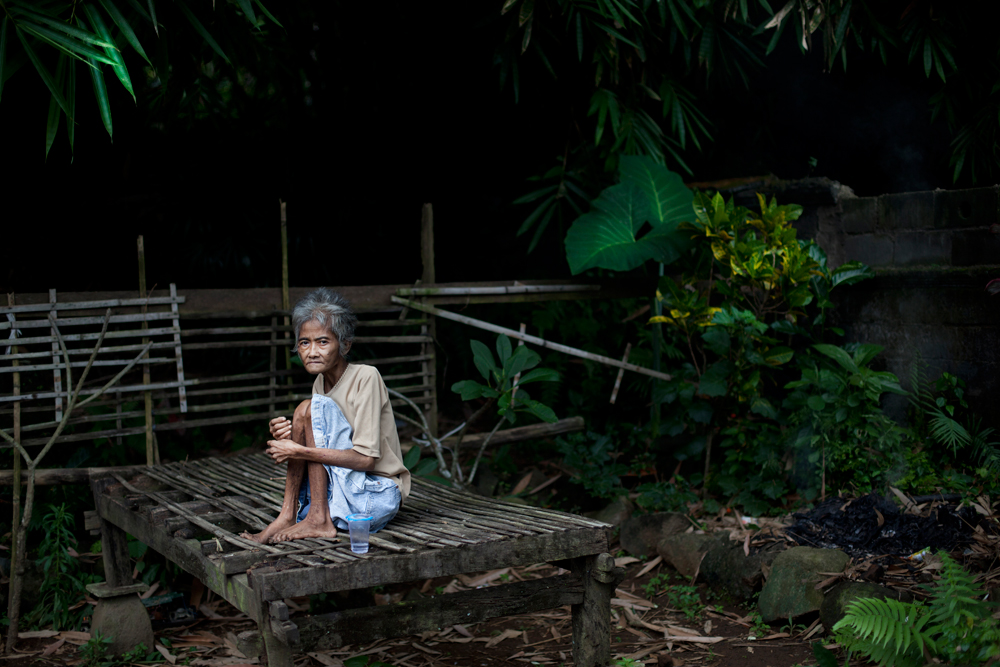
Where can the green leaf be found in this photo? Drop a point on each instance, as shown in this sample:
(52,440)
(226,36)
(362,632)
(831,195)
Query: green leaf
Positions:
(763,407)
(118,63)
(101,94)
(483,359)
(540,410)
(779,355)
(3,50)
(83,35)
(268,14)
(469,389)
(426,466)
(503,349)
(669,200)
(522,360)
(248,11)
(865,353)
(152,16)
(50,83)
(717,340)
(125,27)
(701,412)
(64,43)
(715,381)
(411,457)
(199,28)
(539,375)
(816,403)
(850,273)
(838,355)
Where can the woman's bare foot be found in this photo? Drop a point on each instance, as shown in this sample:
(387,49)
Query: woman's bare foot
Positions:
(306,529)
(267,535)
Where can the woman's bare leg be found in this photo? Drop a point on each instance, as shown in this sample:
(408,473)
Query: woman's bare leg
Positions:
(301,424)
(317,522)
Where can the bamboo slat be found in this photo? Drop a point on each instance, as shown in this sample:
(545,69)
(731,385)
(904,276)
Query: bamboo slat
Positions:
(93,305)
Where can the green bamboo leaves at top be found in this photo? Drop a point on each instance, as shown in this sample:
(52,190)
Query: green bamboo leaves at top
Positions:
(118,63)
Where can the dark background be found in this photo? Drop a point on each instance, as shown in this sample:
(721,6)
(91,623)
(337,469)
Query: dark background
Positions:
(374,114)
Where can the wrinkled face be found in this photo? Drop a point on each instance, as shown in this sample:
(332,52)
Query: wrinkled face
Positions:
(319,348)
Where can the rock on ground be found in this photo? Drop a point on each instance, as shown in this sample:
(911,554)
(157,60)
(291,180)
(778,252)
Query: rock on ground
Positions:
(684,551)
(836,600)
(616,513)
(728,570)
(790,590)
(640,535)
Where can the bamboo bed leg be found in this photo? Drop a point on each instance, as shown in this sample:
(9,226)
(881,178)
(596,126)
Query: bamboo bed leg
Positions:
(182,389)
(592,617)
(16,483)
(273,367)
(148,395)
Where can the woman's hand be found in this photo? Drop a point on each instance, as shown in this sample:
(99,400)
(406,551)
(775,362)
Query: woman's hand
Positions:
(280,428)
(283,450)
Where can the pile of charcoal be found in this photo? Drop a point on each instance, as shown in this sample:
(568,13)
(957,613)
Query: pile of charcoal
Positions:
(874,525)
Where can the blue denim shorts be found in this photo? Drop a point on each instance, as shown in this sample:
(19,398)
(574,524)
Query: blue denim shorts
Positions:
(349,491)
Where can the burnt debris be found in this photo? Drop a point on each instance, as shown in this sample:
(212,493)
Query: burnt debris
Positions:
(873,525)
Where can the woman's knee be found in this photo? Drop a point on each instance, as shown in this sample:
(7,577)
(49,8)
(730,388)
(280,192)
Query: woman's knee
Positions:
(303,412)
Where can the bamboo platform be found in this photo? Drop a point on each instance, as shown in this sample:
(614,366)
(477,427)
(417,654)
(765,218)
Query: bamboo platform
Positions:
(194,512)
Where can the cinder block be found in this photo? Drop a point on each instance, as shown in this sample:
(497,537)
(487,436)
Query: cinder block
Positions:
(906,210)
(871,249)
(973,247)
(976,207)
(914,248)
(859,215)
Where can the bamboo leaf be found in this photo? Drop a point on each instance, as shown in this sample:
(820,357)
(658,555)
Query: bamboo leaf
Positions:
(124,26)
(248,11)
(65,43)
(268,14)
(43,72)
(539,210)
(3,50)
(61,26)
(579,36)
(541,228)
(118,64)
(101,93)
(52,123)
(152,16)
(143,11)
(200,29)
(928,57)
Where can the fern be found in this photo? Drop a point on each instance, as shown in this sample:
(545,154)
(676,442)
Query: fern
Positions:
(889,632)
(956,624)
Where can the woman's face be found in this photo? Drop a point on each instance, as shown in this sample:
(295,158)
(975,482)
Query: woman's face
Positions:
(319,348)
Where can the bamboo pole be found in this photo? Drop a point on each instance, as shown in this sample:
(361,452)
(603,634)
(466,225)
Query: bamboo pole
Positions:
(285,302)
(429,277)
(16,471)
(621,372)
(147,395)
(533,340)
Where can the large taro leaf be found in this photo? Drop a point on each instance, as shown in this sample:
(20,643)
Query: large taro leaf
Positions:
(606,237)
(669,200)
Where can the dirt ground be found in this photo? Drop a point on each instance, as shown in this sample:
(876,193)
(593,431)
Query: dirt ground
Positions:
(711,633)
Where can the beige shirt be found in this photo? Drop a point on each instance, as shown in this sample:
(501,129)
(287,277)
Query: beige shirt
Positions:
(362,397)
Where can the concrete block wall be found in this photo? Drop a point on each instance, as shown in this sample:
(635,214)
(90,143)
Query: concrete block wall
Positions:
(933,253)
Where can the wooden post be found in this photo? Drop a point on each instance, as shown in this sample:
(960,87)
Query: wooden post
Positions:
(57,360)
(621,372)
(430,329)
(285,302)
(517,378)
(178,355)
(273,366)
(592,617)
(147,395)
(16,482)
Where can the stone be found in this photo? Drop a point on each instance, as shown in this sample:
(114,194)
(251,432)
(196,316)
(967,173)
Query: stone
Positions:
(727,570)
(124,619)
(684,551)
(615,513)
(836,600)
(790,590)
(640,535)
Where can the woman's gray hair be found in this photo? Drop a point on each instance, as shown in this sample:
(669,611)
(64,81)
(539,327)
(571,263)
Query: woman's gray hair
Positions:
(328,309)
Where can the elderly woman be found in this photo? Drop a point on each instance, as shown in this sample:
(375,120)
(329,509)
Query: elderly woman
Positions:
(341,446)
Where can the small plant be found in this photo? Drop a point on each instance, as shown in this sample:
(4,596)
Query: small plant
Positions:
(627,662)
(758,628)
(95,653)
(956,625)
(684,599)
